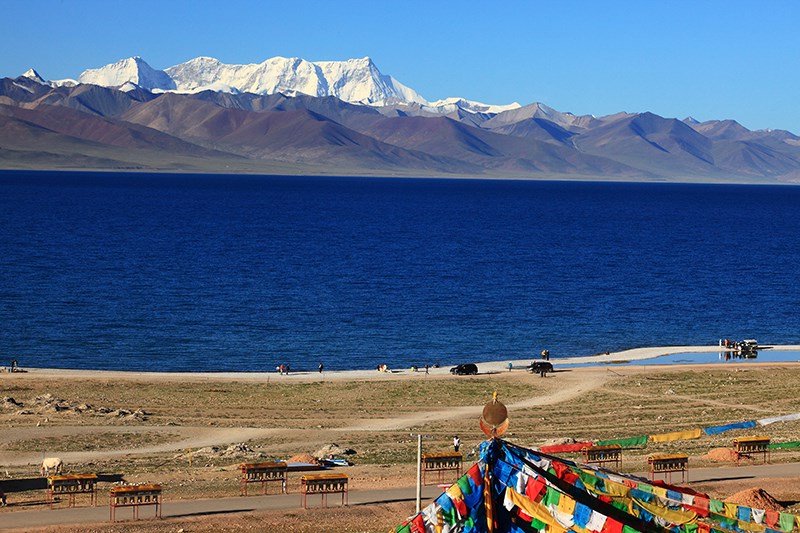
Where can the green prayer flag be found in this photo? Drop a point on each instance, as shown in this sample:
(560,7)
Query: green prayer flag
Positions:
(551,497)
(784,445)
(464,485)
(690,528)
(538,524)
(645,488)
(588,479)
(404,529)
(630,442)
(786,522)
(716,506)
(628,529)
(450,516)
(621,505)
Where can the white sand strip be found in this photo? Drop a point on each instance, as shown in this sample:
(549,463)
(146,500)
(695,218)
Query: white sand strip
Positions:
(636,354)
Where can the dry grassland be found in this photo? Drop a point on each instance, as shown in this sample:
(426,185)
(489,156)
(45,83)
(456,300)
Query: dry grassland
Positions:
(601,403)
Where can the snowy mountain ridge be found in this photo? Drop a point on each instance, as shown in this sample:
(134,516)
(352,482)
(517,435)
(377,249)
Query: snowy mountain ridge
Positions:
(357,81)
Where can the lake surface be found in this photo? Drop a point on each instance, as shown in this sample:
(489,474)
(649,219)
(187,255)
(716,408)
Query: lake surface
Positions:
(236,273)
(764,355)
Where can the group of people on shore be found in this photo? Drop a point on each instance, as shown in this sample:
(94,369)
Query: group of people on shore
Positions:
(284,368)
(427,368)
(728,343)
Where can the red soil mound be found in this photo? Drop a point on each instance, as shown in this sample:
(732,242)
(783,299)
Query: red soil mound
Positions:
(721,455)
(302,458)
(757,498)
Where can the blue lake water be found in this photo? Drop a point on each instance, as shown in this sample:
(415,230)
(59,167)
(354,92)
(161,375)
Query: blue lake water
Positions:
(237,273)
(722,357)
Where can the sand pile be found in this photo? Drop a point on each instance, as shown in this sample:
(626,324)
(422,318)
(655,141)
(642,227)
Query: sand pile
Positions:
(756,498)
(302,458)
(721,455)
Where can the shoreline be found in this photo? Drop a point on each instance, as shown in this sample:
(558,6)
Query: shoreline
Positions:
(486,367)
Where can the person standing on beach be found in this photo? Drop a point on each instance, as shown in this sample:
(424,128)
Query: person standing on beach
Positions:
(456,443)
(321,367)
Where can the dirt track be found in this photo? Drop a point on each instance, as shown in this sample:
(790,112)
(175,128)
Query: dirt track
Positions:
(570,387)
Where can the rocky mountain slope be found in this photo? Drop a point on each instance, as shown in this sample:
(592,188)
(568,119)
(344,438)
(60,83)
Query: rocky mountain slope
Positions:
(294,116)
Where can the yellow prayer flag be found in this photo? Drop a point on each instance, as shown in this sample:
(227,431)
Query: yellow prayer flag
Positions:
(534,509)
(677,435)
(750,526)
(661,492)
(674,516)
(566,504)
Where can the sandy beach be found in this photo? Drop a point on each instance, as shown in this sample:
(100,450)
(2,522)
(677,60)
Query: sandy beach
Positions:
(485,367)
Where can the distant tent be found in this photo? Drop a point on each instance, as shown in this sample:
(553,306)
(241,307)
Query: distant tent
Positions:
(512,489)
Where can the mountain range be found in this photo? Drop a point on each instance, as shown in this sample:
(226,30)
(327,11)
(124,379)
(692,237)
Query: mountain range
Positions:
(291,116)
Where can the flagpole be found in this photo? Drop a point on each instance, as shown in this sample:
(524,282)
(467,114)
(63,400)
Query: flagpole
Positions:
(419,472)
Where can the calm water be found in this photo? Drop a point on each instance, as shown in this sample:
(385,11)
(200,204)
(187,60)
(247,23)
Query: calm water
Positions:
(205,273)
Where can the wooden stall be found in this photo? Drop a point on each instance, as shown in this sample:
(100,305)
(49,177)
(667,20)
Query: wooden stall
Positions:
(71,484)
(747,447)
(264,473)
(607,453)
(135,496)
(441,463)
(667,464)
(323,484)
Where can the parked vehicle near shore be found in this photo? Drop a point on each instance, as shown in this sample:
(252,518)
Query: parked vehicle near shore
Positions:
(464,369)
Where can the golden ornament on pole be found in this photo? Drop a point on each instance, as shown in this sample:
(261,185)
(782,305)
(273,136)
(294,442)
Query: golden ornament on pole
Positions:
(494,420)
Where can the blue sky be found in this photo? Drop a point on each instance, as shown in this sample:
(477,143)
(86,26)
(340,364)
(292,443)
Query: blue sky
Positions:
(707,59)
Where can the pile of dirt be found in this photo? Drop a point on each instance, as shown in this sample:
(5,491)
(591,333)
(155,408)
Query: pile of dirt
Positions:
(240,450)
(756,498)
(302,458)
(721,455)
(333,450)
(47,403)
(11,403)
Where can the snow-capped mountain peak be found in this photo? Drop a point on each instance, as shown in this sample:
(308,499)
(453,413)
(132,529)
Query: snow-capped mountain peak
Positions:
(354,80)
(357,81)
(31,74)
(134,70)
(449,105)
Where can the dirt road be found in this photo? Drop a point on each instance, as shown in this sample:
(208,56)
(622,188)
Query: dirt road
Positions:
(571,386)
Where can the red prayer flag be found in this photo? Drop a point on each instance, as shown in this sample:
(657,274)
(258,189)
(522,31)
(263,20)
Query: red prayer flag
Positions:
(475,474)
(534,488)
(772,518)
(418,524)
(611,526)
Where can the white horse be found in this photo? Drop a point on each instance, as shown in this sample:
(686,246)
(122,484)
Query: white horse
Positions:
(52,463)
